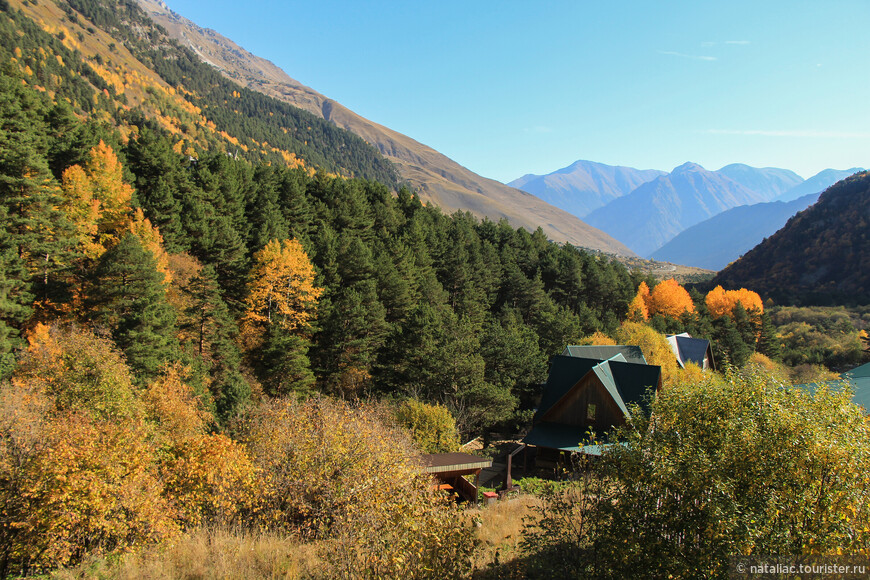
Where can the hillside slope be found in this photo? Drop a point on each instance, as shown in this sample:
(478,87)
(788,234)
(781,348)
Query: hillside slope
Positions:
(584,186)
(718,241)
(434,176)
(657,211)
(823,251)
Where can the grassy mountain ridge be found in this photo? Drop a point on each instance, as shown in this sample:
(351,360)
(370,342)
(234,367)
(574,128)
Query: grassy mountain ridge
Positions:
(140,70)
(435,177)
(822,253)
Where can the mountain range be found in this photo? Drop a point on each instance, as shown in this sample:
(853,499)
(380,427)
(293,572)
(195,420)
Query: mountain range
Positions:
(682,217)
(718,241)
(584,186)
(434,177)
(658,210)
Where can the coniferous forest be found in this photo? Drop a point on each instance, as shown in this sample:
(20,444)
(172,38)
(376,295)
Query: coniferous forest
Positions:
(220,314)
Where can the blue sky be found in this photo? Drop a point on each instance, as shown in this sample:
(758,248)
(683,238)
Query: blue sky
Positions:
(507,88)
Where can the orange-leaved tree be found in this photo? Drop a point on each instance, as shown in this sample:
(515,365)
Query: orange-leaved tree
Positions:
(281,289)
(721,302)
(670,299)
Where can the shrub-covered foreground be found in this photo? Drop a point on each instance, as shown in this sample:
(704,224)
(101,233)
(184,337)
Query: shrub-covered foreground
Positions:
(91,465)
(101,476)
(727,466)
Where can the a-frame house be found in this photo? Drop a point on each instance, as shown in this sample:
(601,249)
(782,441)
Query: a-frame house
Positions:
(583,394)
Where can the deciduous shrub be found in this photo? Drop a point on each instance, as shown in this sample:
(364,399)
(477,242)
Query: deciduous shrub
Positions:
(432,426)
(728,466)
(337,473)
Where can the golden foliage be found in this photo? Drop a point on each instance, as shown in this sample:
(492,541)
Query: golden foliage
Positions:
(97,200)
(638,311)
(655,347)
(173,406)
(281,289)
(92,489)
(432,427)
(670,299)
(78,370)
(598,338)
(150,238)
(339,473)
(721,302)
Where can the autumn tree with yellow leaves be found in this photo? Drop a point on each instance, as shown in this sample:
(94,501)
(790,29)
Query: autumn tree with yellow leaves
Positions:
(280,305)
(97,200)
(281,287)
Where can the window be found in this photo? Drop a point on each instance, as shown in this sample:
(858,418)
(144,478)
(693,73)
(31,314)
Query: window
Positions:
(590,412)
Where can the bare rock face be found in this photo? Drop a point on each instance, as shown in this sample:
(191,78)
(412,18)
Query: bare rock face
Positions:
(435,177)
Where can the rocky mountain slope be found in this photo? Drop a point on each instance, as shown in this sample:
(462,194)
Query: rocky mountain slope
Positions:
(435,177)
(584,186)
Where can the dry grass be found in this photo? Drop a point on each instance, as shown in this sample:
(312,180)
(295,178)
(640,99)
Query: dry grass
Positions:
(216,553)
(499,529)
(237,555)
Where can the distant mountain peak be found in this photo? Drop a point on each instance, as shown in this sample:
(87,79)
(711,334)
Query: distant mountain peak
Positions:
(687,167)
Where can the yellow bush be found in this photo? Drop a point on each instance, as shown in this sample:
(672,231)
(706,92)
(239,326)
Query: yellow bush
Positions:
(432,426)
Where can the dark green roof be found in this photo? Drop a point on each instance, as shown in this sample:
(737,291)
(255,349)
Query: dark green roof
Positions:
(634,381)
(565,371)
(555,436)
(562,437)
(599,352)
(631,380)
(689,349)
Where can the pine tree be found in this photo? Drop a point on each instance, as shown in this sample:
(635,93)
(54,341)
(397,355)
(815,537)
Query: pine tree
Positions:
(214,331)
(40,235)
(768,341)
(15,300)
(128,297)
(282,364)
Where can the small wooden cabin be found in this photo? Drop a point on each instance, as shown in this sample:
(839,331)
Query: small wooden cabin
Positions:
(583,394)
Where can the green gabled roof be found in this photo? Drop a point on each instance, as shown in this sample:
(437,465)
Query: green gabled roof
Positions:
(626,382)
(634,381)
(599,352)
(605,374)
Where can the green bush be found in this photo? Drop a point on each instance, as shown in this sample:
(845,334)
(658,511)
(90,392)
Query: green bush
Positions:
(729,466)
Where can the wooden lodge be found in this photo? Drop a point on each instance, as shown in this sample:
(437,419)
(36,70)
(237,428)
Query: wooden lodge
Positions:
(587,392)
